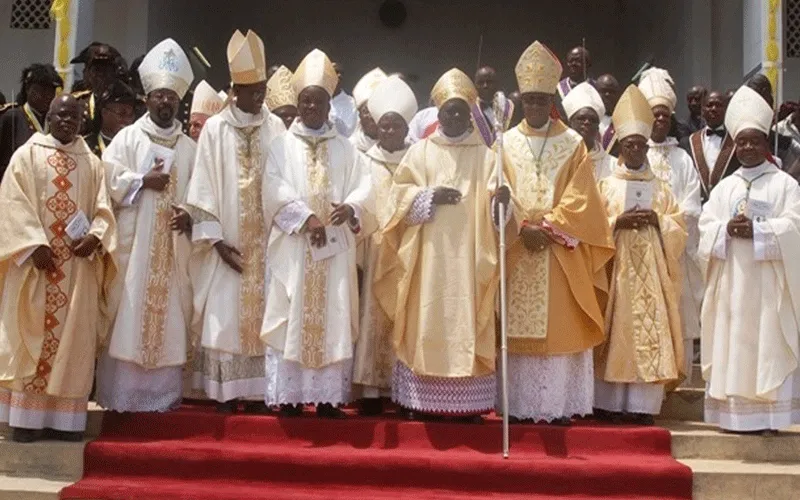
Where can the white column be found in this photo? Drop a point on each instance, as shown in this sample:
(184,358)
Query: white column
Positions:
(762,36)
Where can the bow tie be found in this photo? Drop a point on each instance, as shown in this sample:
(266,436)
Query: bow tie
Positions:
(720,132)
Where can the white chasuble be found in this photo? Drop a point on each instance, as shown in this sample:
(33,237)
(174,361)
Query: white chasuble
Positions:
(374,356)
(152,294)
(51,323)
(311,317)
(751,309)
(226,201)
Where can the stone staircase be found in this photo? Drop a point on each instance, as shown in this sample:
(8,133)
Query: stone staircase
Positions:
(726,466)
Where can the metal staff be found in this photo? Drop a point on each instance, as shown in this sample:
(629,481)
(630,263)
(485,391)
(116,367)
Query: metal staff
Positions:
(501,113)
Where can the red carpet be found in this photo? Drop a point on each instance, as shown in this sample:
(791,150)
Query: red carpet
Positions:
(196,454)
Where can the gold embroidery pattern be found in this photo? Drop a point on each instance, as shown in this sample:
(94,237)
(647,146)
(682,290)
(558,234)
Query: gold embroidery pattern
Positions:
(658,157)
(529,279)
(37,402)
(61,207)
(315,283)
(252,240)
(159,272)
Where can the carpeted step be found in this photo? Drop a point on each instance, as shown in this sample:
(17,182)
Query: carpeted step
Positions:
(156,487)
(196,445)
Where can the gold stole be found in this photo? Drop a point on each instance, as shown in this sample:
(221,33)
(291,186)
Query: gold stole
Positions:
(315,278)
(160,269)
(252,240)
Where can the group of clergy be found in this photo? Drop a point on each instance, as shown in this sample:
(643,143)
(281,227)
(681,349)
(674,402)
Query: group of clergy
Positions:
(270,262)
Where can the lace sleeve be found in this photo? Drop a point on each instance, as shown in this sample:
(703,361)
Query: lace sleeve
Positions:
(292,216)
(422,209)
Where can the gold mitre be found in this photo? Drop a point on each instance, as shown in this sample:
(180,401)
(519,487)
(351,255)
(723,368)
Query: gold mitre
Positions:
(538,70)
(454,84)
(632,115)
(205,100)
(246,59)
(280,91)
(315,70)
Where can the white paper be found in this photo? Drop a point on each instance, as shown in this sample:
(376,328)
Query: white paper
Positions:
(758,210)
(78,227)
(337,243)
(638,195)
(158,152)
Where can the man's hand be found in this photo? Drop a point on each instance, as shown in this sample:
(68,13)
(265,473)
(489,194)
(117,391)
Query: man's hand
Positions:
(636,219)
(43,259)
(341,214)
(503,195)
(446,196)
(229,255)
(740,227)
(535,238)
(85,246)
(317,231)
(156,179)
(181,220)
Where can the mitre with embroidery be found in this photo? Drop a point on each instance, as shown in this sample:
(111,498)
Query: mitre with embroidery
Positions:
(280,91)
(747,109)
(166,67)
(656,85)
(246,58)
(392,95)
(633,115)
(583,95)
(316,70)
(454,84)
(538,70)
(366,85)
(205,100)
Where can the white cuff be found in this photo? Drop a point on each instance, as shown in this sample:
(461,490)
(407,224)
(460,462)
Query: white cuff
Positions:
(291,218)
(720,250)
(134,191)
(765,243)
(20,260)
(207,230)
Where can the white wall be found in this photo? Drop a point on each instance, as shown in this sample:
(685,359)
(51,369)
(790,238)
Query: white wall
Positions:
(20,48)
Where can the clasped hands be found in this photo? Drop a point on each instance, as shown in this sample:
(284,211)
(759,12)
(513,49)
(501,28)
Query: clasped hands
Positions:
(44,258)
(637,219)
(740,227)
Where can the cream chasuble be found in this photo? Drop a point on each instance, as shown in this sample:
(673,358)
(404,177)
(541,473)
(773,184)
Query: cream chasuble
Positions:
(311,317)
(644,341)
(674,166)
(374,356)
(152,294)
(50,323)
(438,281)
(226,201)
(751,310)
(553,295)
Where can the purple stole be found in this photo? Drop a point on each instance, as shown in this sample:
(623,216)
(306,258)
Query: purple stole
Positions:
(564,87)
(609,138)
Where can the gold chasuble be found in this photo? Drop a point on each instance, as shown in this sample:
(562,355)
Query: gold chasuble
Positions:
(438,281)
(555,297)
(51,323)
(642,320)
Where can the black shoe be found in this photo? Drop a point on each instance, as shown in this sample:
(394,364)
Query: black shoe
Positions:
(20,435)
(643,419)
(69,437)
(257,408)
(291,411)
(514,420)
(327,410)
(470,419)
(370,407)
(562,422)
(227,407)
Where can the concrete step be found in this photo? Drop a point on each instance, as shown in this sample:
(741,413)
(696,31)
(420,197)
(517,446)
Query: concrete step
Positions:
(744,480)
(684,404)
(30,488)
(697,440)
(43,459)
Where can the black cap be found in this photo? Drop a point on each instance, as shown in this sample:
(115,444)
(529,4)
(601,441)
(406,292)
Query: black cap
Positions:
(97,52)
(119,92)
